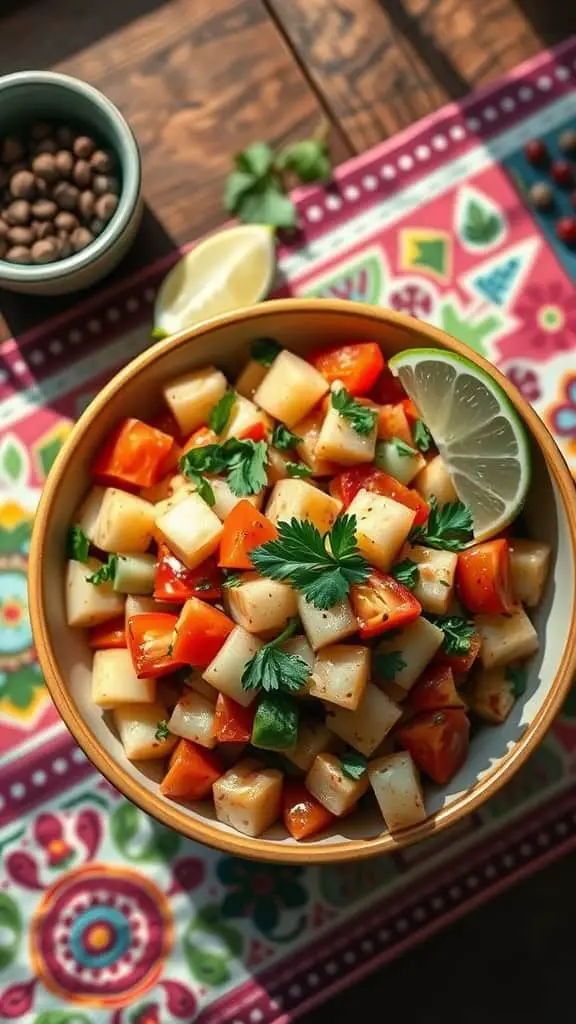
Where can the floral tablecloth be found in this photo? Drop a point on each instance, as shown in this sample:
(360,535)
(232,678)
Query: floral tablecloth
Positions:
(107,917)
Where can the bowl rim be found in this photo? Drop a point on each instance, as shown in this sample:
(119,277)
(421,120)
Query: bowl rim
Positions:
(128,154)
(175,815)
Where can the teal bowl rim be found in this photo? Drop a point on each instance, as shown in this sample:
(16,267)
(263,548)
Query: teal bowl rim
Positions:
(128,154)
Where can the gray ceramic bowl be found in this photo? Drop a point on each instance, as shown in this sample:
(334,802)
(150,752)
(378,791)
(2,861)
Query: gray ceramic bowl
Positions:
(28,96)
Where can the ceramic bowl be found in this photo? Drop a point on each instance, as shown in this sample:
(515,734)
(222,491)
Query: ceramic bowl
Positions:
(27,96)
(301,325)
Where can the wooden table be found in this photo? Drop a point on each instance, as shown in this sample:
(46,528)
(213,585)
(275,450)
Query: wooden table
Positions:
(199,79)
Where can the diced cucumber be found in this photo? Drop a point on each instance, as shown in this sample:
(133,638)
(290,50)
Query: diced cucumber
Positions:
(397,462)
(276,722)
(134,574)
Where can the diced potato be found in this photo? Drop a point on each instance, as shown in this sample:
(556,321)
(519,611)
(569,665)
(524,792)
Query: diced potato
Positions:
(392,690)
(299,646)
(339,441)
(530,561)
(397,462)
(396,784)
(382,527)
(505,638)
(309,430)
(331,787)
(171,500)
(290,388)
(434,481)
(137,725)
(247,797)
(416,645)
(191,529)
(329,626)
(117,521)
(297,499)
(250,378)
(261,605)
(491,694)
(114,680)
(436,577)
(166,487)
(225,670)
(340,674)
(365,728)
(199,685)
(191,397)
(193,719)
(87,605)
(244,415)
(313,738)
(277,463)
(225,499)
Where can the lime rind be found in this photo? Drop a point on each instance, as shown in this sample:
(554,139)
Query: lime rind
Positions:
(488,456)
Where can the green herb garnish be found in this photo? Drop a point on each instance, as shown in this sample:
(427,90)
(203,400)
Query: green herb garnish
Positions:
(274,669)
(458,632)
(387,664)
(449,527)
(406,572)
(354,764)
(78,544)
(298,469)
(322,567)
(231,580)
(265,351)
(244,463)
(284,439)
(106,572)
(517,676)
(220,414)
(361,417)
(404,450)
(422,436)
(162,731)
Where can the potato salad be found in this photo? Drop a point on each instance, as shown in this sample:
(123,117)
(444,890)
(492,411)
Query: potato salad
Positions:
(284,597)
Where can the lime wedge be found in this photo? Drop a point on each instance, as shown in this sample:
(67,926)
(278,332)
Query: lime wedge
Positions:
(231,269)
(476,429)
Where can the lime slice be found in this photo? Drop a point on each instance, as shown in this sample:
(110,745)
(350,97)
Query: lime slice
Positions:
(231,269)
(476,429)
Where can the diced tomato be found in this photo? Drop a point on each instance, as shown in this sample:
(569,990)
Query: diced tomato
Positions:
(410,410)
(199,439)
(434,690)
(381,603)
(484,578)
(346,486)
(232,722)
(459,663)
(393,422)
(438,742)
(199,633)
(358,365)
(245,528)
(135,454)
(192,772)
(388,389)
(150,642)
(108,634)
(255,432)
(303,815)
(175,582)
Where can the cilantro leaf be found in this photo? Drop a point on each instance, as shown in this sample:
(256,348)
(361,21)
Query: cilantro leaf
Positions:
(387,664)
(458,632)
(244,463)
(322,567)
(354,764)
(449,527)
(267,204)
(406,572)
(284,439)
(162,731)
(361,417)
(202,486)
(231,580)
(298,469)
(404,450)
(517,676)
(256,159)
(309,160)
(274,669)
(422,436)
(106,572)
(221,412)
(265,350)
(77,544)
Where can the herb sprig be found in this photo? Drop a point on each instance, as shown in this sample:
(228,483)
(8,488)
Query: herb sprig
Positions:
(405,451)
(406,572)
(422,436)
(220,414)
(265,351)
(449,527)
(387,664)
(354,764)
(106,572)
(78,544)
(458,632)
(244,463)
(162,731)
(321,567)
(361,417)
(517,676)
(284,439)
(271,668)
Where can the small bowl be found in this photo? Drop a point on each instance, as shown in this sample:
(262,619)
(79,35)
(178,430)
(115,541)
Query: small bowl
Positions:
(496,752)
(28,96)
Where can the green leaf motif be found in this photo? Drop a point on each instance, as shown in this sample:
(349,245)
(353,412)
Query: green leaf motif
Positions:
(481,226)
(61,1017)
(15,541)
(19,687)
(14,463)
(209,945)
(139,838)
(205,967)
(47,454)
(10,929)
(432,254)
(472,334)
(360,280)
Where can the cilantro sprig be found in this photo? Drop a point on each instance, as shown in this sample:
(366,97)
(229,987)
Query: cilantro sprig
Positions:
(265,351)
(271,668)
(78,544)
(162,731)
(422,436)
(220,414)
(322,567)
(406,572)
(354,764)
(387,664)
(361,417)
(458,632)
(243,462)
(449,527)
(284,439)
(517,676)
(405,451)
(231,580)
(298,469)
(106,572)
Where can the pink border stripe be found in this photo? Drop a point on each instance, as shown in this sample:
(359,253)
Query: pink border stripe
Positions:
(44,773)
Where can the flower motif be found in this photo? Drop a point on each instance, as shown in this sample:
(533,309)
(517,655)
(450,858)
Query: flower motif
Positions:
(260,892)
(15,631)
(563,415)
(548,313)
(49,834)
(412,299)
(526,380)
